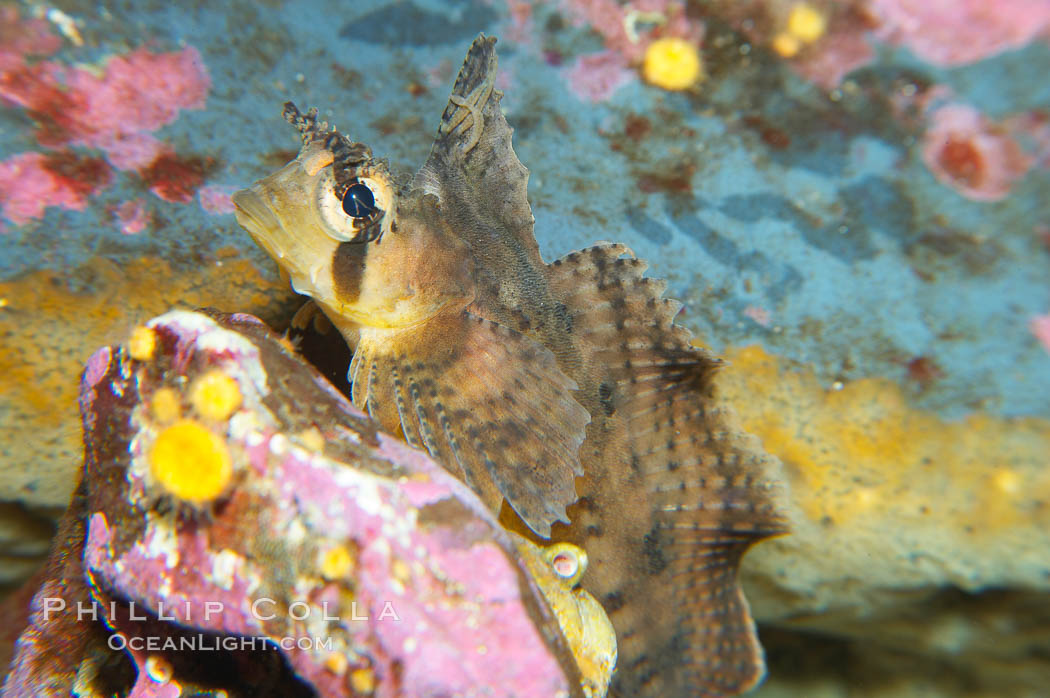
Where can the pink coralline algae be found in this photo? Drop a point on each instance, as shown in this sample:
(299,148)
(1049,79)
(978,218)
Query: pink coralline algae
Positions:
(844,49)
(968,152)
(520,28)
(595,77)
(1039,326)
(19,38)
(941,32)
(132,217)
(628,30)
(216,200)
(114,108)
(758,314)
(956,32)
(336,561)
(1032,130)
(115,111)
(28,186)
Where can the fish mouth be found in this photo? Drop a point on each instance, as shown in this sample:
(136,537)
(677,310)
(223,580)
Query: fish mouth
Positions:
(257,217)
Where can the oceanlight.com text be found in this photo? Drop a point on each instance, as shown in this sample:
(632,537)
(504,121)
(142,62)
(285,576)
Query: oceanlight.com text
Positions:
(211,643)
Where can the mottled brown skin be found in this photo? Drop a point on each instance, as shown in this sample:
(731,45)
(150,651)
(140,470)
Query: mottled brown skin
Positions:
(545,385)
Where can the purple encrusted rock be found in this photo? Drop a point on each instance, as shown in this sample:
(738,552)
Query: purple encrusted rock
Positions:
(286,548)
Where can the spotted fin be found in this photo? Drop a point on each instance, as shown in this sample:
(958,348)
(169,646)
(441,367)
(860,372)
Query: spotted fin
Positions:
(488,402)
(473,153)
(683,493)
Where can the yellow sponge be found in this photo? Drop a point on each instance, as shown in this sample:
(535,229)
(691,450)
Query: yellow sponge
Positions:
(673,64)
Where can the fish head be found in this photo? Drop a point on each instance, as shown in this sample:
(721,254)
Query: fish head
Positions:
(370,252)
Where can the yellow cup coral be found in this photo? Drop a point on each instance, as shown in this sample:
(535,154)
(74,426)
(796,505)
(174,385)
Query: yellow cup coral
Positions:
(215,395)
(337,562)
(190,462)
(363,681)
(673,64)
(166,405)
(806,23)
(787,45)
(142,343)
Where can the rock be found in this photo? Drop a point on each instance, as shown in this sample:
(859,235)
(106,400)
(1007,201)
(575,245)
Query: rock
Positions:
(310,551)
(916,540)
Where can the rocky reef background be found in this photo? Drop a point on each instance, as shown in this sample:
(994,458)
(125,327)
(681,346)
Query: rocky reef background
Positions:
(850,198)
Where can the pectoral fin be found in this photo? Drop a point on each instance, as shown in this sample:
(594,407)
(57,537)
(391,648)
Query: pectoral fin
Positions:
(489,403)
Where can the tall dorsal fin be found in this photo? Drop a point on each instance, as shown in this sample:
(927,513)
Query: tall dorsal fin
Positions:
(682,494)
(472,167)
(482,398)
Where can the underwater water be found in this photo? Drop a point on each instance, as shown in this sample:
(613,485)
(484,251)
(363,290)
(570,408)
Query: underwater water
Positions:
(850,199)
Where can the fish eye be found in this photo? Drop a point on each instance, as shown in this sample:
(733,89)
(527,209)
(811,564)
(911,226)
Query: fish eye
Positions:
(359,201)
(354,212)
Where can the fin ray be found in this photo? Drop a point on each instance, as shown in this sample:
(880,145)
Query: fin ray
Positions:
(707,490)
(473,153)
(489,403)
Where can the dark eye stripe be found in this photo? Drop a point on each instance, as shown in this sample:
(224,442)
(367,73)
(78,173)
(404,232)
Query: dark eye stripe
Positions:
(348,268)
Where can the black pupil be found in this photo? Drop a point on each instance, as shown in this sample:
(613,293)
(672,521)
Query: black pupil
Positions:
(358,201)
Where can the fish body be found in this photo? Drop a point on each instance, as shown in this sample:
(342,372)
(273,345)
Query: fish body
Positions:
(562,393)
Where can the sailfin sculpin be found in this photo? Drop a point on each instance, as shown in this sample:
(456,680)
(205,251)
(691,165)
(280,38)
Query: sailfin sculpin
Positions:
(564,389)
